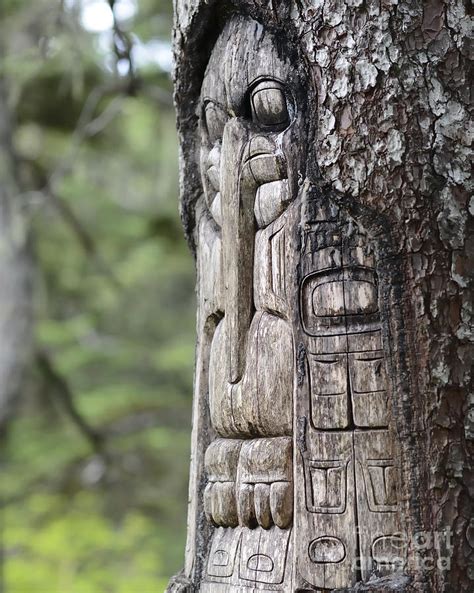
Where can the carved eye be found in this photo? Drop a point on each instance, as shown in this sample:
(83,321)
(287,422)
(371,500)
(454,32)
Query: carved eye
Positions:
(216,118)
(269,105)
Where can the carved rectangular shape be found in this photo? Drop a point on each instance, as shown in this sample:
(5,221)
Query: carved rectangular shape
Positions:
(325,511)
(377,503)
(369,389)
(367,341)
(263,555)
(322,298)
(328,384)
(222,556)
(326,486)
(338,300)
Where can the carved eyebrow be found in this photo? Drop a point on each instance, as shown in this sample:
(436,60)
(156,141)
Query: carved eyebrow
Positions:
(264,78)
(213,117)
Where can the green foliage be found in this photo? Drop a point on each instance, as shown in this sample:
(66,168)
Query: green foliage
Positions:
(76,548)
(115,316)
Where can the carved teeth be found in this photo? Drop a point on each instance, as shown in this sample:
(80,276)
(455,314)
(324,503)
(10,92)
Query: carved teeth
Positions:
(266,168)
(271,201)
(265,505)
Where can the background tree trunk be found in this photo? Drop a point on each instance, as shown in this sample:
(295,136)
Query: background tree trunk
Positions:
(16,272)
(389,142)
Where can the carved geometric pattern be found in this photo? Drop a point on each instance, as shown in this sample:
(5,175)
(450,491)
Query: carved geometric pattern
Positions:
(263,555)
(326,486)
(223,553)
(290,321)
(327,550)
(380,484)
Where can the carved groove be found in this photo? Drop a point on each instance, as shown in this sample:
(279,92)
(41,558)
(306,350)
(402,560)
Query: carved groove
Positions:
(293,280)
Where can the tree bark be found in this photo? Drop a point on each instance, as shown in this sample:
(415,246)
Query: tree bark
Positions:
(325,193)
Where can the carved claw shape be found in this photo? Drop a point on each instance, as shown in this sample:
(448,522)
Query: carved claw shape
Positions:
(265,488)
(221,461)
(250,483)
(220,505)
(265,505)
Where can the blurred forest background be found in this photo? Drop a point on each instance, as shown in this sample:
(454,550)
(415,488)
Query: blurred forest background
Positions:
(95,416)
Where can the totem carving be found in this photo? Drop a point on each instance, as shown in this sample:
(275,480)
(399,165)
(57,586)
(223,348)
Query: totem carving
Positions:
(295,472)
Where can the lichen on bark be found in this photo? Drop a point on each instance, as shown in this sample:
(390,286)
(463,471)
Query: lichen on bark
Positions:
(391,134)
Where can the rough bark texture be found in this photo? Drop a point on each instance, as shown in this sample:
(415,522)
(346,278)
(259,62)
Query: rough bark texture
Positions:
(358,114)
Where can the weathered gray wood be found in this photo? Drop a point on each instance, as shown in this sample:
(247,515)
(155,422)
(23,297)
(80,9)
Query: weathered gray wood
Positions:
(324,190)
(325,513)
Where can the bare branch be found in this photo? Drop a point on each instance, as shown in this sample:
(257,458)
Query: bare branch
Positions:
(61,389)
(85,239)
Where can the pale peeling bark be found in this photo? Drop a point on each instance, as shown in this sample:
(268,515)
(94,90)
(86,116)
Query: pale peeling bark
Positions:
(382,97)
(16,275)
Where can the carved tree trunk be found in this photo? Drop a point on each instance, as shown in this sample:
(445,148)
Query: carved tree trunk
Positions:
(324,188)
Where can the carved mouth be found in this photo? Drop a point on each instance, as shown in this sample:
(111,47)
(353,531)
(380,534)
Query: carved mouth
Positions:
(260,146)
(265,168)
(256,155)
(271,200)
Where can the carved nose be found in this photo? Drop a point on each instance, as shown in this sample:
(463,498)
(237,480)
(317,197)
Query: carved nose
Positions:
(238,235)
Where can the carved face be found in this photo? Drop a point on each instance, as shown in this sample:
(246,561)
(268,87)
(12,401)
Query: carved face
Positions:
(250,88)
(251,163)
